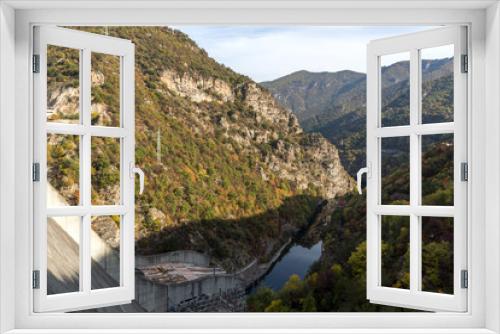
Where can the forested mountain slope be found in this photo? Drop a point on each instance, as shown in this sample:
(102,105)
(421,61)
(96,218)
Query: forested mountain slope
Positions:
(334,104)
(235,175)
(338,281)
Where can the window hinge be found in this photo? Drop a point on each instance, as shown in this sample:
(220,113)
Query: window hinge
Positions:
(36,279)
(36,63)
(464,171)
(36,172)
(464,284)
(465,63)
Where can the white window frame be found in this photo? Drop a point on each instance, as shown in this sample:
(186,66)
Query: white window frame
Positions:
(415,210)
(17,18)
(86,44)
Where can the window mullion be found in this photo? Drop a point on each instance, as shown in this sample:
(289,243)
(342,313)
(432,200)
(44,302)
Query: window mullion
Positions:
(415,230)
(86,169)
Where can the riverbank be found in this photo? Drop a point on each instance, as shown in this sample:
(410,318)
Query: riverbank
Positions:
(188,281)
(296,261)
(212,290)
(254,272)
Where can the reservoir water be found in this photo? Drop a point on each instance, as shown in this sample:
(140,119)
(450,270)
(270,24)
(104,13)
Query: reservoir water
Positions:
(296,260)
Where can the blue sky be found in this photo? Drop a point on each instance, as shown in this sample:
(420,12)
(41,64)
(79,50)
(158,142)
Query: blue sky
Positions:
(266,53)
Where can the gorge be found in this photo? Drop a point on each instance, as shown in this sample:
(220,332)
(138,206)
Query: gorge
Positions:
(235,171)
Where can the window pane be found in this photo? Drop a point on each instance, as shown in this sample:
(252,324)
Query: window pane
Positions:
(63,254)
(437,254)
(105,251)
(437,84)
(105,171)
(437,169)
(63,84)
(395,90)
(396,251)
(63,170)
(105,90)
(395,170)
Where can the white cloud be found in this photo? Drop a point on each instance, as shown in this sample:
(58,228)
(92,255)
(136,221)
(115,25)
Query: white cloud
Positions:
(445,51)
(266,53)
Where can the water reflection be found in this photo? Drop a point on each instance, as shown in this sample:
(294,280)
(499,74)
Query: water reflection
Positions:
(297,261)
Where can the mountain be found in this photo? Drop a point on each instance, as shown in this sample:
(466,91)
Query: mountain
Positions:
(229,171)
(334,103)
(310,94)
(337,282)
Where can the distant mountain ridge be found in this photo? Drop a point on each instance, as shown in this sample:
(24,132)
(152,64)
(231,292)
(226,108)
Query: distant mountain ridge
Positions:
(334,103)
(307,93)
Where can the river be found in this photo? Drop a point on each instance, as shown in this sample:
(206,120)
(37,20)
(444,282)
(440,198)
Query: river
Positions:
(296,259)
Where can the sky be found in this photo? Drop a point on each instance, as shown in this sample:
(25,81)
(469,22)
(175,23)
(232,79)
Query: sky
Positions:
(267,53)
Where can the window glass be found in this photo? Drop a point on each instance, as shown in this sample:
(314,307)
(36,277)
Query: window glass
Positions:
(63,254)
(395,170)
(437,254)
(395,89)
(437,84)
(63,170)
(105,173)
(105,251)
(437,169)
(63,84)
(105,90)
(396,251)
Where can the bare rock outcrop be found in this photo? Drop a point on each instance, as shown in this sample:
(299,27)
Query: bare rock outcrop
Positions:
(197,89)
(265,129)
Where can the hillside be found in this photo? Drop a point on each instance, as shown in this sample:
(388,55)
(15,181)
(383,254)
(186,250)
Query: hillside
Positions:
(334,104)
(337,282)
(235,175)
(310,94)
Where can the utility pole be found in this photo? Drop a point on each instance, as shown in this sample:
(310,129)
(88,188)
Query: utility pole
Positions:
(158,146)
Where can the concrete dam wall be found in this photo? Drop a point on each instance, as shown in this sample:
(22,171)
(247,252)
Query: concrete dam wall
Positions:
(184,256)
(107,257)
(206,292)
(215,290)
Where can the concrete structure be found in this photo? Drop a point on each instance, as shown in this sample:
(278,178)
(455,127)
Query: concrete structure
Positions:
(212,292)
(182,280)
(185,256)
(107,257)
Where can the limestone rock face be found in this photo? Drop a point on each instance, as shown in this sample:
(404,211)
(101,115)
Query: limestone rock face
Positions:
(156,214)
(197,89)
(263,128)
(268,109)
(63,101)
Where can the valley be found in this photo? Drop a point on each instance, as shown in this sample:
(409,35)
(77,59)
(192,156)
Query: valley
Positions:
(247,178)
(336,282)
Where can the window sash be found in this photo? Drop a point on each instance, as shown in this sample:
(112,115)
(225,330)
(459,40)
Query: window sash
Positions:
(86,43)
(414,297)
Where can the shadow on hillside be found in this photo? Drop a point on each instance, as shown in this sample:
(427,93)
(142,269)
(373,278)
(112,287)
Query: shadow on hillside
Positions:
(232,242)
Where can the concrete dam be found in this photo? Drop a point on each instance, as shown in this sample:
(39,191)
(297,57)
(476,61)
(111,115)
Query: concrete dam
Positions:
(179,281)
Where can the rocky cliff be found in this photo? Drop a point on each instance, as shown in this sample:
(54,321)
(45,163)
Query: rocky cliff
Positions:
(263,129)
